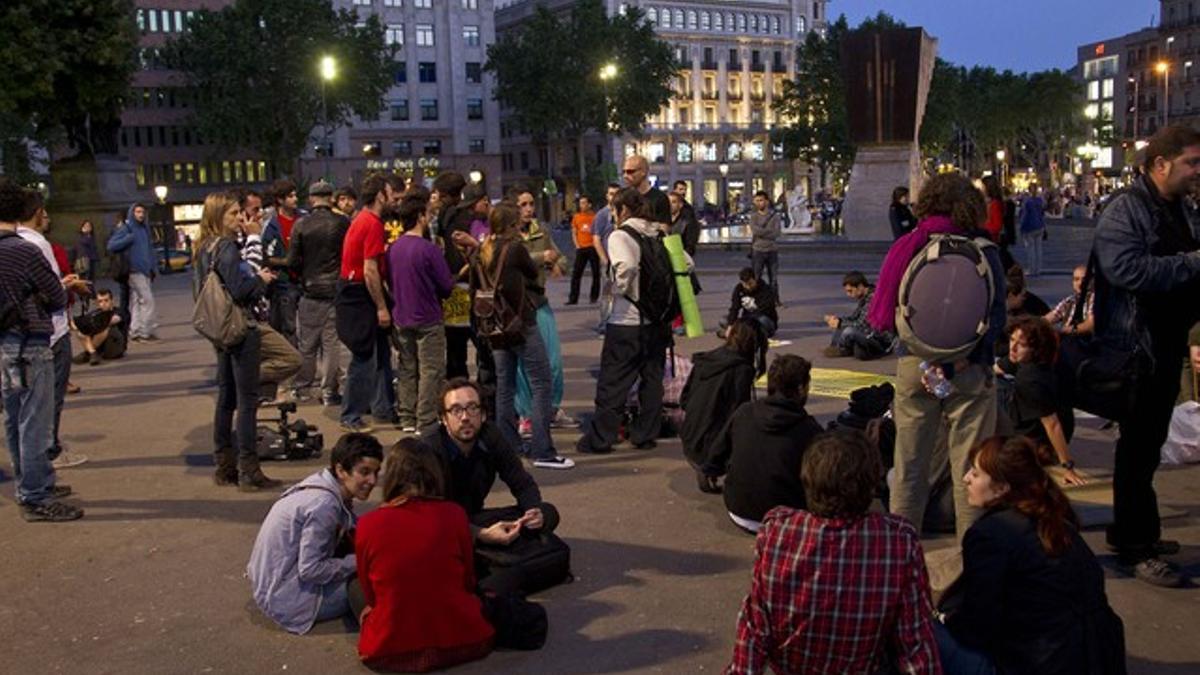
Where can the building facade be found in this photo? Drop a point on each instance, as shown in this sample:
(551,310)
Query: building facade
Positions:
(714,133)
(439,114)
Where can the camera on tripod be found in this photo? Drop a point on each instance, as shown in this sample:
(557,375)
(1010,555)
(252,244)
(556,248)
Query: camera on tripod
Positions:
(289,441)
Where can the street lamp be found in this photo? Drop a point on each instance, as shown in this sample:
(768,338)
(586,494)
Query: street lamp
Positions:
(160,193)
(1137,104)
(724,169)
(1164,68)
(608,72)
(328,73)
(1000,155)
(475,175)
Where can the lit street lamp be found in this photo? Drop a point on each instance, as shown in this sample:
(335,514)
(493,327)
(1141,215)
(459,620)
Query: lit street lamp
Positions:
(328,73)
(608,72)
(1164,68)
(724,169)
(475,175)
(1137,104)
(1000,156)
(160,193)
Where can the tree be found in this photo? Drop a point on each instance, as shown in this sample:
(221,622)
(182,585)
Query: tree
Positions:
(548,74)
(256,65)
(67,65)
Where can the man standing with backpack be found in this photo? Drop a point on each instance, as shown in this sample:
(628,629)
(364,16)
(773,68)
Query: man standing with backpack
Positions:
(639,329)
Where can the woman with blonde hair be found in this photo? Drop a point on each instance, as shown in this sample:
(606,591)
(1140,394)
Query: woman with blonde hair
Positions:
(238,365)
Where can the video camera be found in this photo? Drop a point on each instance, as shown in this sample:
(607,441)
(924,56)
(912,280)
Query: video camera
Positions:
(289,441)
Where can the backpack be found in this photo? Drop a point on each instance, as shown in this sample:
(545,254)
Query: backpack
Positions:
(12,305)
(496,321)
(658,297)
(945,301)
(535,562)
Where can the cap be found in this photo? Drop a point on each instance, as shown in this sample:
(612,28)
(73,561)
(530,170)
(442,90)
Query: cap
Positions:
(320,189)
(473,193)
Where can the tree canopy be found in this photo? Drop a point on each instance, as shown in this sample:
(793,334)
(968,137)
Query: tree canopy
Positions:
(256,65)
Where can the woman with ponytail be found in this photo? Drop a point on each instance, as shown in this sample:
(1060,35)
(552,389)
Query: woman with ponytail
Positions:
(1031,596)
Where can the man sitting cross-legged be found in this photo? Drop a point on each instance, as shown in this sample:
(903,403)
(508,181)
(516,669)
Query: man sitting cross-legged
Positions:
(100,332)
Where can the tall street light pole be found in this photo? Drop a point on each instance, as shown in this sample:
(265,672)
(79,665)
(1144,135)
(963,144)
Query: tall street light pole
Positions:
(328,72)
(1164,68)
(607,73)
(1137,105)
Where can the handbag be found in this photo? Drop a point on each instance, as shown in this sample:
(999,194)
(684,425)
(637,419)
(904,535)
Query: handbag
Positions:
(1096,376)
(216,316)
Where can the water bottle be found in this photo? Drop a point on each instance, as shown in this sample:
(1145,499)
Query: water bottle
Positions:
(939,386)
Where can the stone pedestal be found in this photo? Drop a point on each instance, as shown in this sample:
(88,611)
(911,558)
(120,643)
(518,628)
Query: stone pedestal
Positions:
(96,189)
(878,170)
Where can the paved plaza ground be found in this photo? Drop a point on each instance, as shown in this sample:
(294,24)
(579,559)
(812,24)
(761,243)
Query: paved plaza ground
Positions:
(152,579)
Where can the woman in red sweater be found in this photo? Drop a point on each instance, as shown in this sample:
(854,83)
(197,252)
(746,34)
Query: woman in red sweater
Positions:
(995,209)
(416,569)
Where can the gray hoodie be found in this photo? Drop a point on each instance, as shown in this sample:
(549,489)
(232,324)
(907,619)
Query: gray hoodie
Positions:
(764,230)
(293,558)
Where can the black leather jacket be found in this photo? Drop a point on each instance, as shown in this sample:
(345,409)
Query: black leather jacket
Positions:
(316,252)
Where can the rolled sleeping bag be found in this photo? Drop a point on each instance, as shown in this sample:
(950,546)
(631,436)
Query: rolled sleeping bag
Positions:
(683,286)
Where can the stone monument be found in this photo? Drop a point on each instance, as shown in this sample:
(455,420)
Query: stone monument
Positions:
(887,75)
(90,188)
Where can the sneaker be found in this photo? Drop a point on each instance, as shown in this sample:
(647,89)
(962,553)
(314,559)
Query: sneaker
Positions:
(408,428)
(330,400)
(67,459)
(1154,571)
(50,512)
(392,420)
(357,426)
(94,360)
(833,352)
(554,462)
(707,484)
(563,421)
(1160,547)
(525,428)
(60,491)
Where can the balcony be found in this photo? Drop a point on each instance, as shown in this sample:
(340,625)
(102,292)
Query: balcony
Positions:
(685,95)
(709,65)
(758,67)
(709,95)
(734,66)
(733,95)
(708,127)
(758,97)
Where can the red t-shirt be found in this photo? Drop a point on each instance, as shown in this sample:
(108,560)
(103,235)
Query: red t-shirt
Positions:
(364,241)
(285,227)
(417,573)
(995,220)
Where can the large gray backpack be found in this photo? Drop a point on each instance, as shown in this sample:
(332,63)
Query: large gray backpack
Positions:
(945,301)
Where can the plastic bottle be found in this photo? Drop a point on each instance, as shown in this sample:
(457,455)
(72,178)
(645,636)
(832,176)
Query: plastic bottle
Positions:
(938,385)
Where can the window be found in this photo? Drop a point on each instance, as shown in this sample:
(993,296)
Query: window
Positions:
(651,16)
(470,4)
(741,22)
(401,75)
(757,151)
(678,18)
(166,20)
(683,152)
(153,16)
(400,110)
(401,148)
(394,34)
(471,35)
(424,35)
(1093,90)
(524,160)
(361,3)
(775,28)
(801,25)
(692,19)
(372,149)
(474,108)
(685,115)
(718,21)
(656,152)
(393,3)
(709,151)
(423,4)
(427,71)
(429,109)
(705,21)
(754,23)
(733,60)
(433,147)
(474,72)
(141,20)
(733,151)
(475,146)
(666,18)
(1106,110)
(1106,89)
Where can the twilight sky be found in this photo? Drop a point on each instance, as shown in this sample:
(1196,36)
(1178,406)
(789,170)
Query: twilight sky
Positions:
(1020,35)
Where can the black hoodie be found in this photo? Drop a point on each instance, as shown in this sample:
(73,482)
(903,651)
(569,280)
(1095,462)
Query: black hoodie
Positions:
(721,380)
(764,444)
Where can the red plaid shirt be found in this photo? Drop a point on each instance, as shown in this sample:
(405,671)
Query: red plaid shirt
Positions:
(832,595)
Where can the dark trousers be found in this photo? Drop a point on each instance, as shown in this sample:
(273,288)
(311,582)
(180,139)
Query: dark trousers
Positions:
(862,344)
(766,264)
(457,338)
(629,353)
(237,390)
(507,580)
(1135,506)
(585,257)
(285,307)
(124,309)
(369,382)
(62,374)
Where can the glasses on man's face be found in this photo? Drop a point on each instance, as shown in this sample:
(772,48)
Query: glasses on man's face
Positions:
(630,172)
(471,409)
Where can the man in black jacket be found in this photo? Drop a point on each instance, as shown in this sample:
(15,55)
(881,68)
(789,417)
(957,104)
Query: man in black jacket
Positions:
(752,299)
(315,256)
(760,449)
(685,224)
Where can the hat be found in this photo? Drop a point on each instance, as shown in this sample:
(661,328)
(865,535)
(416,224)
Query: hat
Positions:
(320,189)
(473,193)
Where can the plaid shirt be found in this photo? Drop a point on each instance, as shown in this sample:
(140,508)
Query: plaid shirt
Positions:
(833,595)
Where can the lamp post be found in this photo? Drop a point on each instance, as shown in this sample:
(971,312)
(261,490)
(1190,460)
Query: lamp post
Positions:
(1000,156)
(608,72)
(328,72)
(724,169)
(475,175)
(1164,68)
(160,193)
(1137,105)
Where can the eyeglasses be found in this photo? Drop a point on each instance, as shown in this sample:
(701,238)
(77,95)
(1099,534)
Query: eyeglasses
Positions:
(458,410)
(629,172)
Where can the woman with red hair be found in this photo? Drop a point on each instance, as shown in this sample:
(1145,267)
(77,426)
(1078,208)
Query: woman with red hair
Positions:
(1031,596)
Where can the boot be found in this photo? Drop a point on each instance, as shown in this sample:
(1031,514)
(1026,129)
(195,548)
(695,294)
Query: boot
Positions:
(227,470)
(252,479)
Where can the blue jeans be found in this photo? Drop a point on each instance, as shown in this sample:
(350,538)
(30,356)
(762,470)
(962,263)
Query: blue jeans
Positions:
(369,382)
(237,391)
(957,659)
(335,602)
(548,329)
(61,351)
(532,355)
(27,384)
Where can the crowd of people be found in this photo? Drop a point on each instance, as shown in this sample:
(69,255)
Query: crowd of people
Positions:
(371,296)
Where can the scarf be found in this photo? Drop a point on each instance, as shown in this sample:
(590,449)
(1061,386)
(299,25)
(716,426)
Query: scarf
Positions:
(882,314)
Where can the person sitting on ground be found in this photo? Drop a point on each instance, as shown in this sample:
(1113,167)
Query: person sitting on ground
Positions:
(852,335)
(1035,409)
(836,588)
(414,558)
(296,576)
(752,299)
(1031,595)
(1020,300)
(476,453)
(1062,317)
(99,331)
(760,449)
(720,381)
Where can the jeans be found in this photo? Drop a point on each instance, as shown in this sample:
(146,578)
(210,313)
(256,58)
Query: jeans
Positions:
(767,261)
(862,344)
(422,373)
(27,384)
(237,390)
(284,300)
(62,374)
(1033,251)
(548,329)
(585,257)
(970,412)
(958,659)
(335,602)
(369,382)
(629,353)
(142,320)
(318,335)
(532,355)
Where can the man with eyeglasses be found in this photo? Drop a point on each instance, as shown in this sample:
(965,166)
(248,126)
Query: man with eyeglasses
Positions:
(637,175)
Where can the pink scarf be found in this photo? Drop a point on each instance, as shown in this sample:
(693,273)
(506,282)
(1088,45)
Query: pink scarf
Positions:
(882,314)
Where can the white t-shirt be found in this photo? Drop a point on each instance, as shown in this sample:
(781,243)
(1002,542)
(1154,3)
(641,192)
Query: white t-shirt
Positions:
(59,318)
